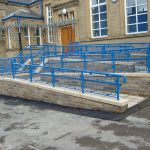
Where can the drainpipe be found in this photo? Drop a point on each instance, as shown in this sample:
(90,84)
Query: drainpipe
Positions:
(41,8)
(19,34)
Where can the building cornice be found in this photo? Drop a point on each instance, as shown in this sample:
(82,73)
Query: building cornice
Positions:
(57,6)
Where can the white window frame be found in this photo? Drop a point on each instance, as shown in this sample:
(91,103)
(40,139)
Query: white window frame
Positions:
(126,21)
(101,36)
(28,36)
(50,29)
(39,36)
(9,38)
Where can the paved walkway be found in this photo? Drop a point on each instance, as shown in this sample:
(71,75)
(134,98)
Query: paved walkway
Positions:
(27,125)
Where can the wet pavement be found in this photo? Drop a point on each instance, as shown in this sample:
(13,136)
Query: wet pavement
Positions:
(29,125)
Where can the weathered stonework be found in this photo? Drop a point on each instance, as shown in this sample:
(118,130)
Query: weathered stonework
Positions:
(60,96)
(81,8)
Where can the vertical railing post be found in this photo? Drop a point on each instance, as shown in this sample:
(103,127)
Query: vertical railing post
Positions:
(81,51)
(43,60)
(48,51)
(118,87)
(103,50)
(30,73)
(148,59)
(21,57)
(82,82)
(86,48)
(44,50)
(53,77)
(62,61)
(12,68)
(113,61)
(85,62)
(55,47)
(31,54)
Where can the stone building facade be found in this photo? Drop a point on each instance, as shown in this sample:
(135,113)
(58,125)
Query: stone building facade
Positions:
(84,21)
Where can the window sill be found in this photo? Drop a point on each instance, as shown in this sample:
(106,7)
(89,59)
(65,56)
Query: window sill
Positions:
(136,33)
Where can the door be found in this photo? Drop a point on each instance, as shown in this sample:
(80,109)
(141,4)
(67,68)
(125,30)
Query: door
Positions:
(67,36)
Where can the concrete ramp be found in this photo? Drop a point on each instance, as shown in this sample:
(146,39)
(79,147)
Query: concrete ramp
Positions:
(61,96)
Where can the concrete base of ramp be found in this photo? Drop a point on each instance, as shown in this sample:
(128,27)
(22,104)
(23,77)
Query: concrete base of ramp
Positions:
(65,97)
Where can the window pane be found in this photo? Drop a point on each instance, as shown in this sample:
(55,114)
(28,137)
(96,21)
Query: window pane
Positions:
(95,25)
(143,27)
(96,33)
(142,9)
(131,28)
(139,2)
(103,16)
(99,17)
(132,20)
(131,11)
(130,3)
(94,2)
(25,31)
(95,17)
(103,32)
(103,8)
(103,24)
(95,10)
(142,18)
(102,1)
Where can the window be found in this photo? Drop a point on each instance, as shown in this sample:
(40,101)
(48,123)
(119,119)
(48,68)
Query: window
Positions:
(2,32)
(136,16)
(27,34)
(50,21)
(99,18)
(9,38)
(72,15)
(38,36)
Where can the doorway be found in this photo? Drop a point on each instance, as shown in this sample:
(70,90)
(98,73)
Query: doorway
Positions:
(67,35)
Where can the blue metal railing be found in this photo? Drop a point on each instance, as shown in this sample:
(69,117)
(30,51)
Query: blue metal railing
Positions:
(116,60)
(85,81)
(5,66)
(53,64)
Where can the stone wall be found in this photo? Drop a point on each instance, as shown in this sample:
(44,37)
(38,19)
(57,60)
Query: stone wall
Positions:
(137,84)
(60,96)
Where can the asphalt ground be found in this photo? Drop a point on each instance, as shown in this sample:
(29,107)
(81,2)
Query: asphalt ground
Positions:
(32,125)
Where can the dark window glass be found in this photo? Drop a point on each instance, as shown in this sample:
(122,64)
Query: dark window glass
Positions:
(102,1)
(103,32)
(132,20)
(95,10)
(131,11)
(142,18)
(143,27)
(96,33)
(95,17)
(95,25)
(132,28)
(25,31)
(103,16)
(103,24)
(37,32)
(103,8)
